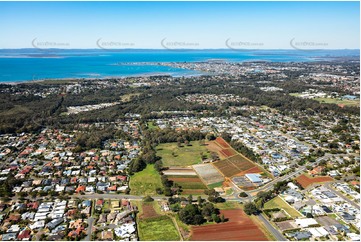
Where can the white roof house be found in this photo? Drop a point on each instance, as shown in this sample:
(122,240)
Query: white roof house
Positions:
(306,222)
(318,232)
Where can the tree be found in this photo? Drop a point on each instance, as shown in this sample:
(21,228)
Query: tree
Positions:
(190,198)
(250,208)
(148,199)
(158,165)
(243,194)
(188,214)
(210,137)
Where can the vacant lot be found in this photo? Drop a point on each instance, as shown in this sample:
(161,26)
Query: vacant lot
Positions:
(145,182)
(277,202)
(305,181)
(286,225)
(172,155)
(154,226)
(148,211)
(339,101)
(238,228)
(208,173)
(157,228)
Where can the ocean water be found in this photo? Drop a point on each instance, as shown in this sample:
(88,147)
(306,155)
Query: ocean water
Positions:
(35,64)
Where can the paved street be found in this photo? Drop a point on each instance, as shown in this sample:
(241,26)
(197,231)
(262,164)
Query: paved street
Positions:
(277,235)
(328,185)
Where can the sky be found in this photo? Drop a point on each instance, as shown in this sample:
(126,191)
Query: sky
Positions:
(200,25)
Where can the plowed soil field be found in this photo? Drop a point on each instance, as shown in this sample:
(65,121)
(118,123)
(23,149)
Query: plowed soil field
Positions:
(238,228)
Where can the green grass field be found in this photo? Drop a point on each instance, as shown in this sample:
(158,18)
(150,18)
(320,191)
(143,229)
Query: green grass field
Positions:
(145,182)
(229,205)
(277,202)
(338,101)
(159,228)
(332,100)
(214,185)
(151,125)
(172,155)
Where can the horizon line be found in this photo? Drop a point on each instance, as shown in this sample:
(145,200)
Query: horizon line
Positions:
(25,48)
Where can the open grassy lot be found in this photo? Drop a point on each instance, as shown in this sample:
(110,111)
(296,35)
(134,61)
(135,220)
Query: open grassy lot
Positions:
(172,155)
(151,125)
(228,205)
(338,101)
(159,228)
(277,202)
(145,182)
(127,97)
(153,225)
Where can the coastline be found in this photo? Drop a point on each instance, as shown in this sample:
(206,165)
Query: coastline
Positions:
(105,78)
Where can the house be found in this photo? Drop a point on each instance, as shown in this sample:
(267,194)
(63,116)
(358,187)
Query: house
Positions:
(102,218)
(24,235)
(55,222)
(353,236)
(107,235)
(306,222)
(99,204)
(112,188)
(13,229)
(8,237)
(317,170)
(125,230)
(76,232)
(80,188)
(37,225)
(302,235)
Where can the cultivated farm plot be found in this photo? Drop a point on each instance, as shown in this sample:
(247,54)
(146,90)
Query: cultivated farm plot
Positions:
(212,146)
(189,184)
(208,173)
(221,142)
(179,172)
(228,152)
(306,181)
(234,165)
(238,228)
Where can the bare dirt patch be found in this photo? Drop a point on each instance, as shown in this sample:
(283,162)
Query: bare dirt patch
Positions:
(239,227)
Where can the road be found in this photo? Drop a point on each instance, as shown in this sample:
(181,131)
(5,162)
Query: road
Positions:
(276,234)
(89,230)
(328,185)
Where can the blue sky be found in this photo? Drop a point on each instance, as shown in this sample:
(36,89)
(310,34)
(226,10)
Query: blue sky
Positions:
(265,25)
